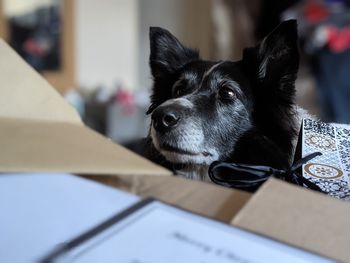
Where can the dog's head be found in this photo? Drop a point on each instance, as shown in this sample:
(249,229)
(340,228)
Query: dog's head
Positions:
(199,108)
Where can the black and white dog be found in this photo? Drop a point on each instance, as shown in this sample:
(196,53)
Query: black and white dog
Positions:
(204,111)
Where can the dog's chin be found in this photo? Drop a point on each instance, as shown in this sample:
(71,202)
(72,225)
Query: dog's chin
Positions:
(178,155)
(183,158)
(182,149)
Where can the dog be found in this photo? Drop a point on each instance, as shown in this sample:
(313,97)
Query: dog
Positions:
(205,111)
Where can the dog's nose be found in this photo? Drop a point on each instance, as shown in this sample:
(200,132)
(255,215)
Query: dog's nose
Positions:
(165,119)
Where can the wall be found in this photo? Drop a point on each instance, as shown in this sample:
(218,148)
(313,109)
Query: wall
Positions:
(188,20)
(106,42)
(112,37)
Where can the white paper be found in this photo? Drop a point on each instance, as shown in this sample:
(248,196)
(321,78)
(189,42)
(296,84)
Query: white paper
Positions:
(41,211)
(158,233)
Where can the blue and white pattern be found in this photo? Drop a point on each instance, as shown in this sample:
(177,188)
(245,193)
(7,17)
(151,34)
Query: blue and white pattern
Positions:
(331,170)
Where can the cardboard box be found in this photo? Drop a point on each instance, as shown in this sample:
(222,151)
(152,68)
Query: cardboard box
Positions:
(40,132)
(299,216)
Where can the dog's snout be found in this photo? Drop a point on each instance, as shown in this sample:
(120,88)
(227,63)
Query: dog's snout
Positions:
(165,119)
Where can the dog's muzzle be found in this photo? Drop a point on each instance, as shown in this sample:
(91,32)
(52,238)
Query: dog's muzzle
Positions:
(166,118)
(178,135)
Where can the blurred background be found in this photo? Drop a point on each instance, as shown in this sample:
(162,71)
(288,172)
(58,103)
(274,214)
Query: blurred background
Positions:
(95,53)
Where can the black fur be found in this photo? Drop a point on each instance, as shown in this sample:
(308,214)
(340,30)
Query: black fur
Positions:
(246,108)
(274,110)
(167,57)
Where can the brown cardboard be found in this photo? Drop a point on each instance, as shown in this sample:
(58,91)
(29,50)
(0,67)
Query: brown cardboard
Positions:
(35,146)
(300,217)
(25,94)
(202,198)
(41,132)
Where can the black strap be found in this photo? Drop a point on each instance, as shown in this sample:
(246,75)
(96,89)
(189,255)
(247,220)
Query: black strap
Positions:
(250,177)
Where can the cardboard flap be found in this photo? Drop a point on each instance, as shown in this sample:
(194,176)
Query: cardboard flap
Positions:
(30,146)
(25,94)
(207,199)
(300,217)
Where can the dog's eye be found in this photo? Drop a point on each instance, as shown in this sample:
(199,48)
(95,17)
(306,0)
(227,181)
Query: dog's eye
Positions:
(180,90)
(227,93)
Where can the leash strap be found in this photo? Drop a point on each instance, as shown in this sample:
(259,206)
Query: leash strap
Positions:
(250,177)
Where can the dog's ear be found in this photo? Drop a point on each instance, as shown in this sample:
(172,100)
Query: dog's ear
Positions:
(273,65)
(276,57)
(167,53)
